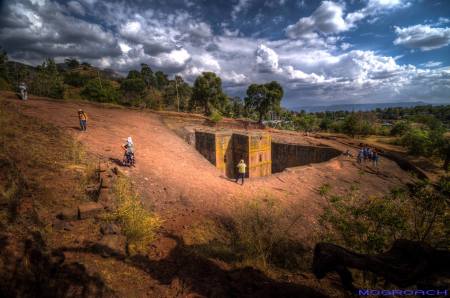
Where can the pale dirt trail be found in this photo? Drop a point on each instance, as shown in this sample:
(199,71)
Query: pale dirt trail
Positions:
(180,184)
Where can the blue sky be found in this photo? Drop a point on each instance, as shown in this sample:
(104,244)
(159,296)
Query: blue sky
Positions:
(322,52)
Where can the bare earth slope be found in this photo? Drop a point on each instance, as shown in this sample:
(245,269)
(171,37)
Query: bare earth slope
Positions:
(177,181)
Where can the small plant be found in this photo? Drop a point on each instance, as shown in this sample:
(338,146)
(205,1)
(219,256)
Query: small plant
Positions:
(138,224)
(324,190)
(215,117)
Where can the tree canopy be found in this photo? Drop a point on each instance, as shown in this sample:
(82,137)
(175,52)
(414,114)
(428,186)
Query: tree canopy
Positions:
(264,98)
(207,92)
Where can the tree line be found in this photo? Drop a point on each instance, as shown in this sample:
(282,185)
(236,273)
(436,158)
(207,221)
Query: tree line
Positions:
(420,129)
(144,88)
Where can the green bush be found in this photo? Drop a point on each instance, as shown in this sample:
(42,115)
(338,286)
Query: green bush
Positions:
(47,81)
(371,224)
(4,84)
(100,91)
(400,128)
(75,79)
(417,141)
(215,117)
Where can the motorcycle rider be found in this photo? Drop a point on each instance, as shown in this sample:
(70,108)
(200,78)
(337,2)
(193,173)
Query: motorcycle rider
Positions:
(128,147)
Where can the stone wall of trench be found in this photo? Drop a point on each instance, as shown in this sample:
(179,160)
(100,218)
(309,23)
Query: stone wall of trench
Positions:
(293,155)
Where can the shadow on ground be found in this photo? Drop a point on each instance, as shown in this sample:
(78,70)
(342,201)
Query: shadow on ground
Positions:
(202,276)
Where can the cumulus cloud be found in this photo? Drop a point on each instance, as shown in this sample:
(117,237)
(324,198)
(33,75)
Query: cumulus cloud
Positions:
(327,18)
(266,59)
(314,63)
(76,7)
(330,17)
(240,6)
(423,37)
(431,64)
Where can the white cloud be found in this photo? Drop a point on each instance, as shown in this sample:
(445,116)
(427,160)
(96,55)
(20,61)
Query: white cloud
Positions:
(76,7)
(330,18)
(266,59)
(173,59)
(235,79)
(431,64)
(327,19)
(422,36)
(239,7)
(232,33)
(130,28)
(125,48)
(315,64)
(345,45)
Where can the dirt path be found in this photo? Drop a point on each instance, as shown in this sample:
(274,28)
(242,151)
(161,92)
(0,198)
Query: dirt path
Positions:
(182,185)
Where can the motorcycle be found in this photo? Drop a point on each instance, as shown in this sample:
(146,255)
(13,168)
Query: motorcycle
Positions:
(128,160)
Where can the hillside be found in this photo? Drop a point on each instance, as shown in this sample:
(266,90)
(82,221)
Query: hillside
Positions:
(175,182)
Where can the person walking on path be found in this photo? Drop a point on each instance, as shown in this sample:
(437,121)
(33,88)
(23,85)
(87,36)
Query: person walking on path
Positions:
(241,171)
(23,91)
(360,156)
(375,158)
(83,119)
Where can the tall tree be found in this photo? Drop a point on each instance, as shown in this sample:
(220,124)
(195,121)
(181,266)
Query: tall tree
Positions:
(264,98)
(48,81)
(72,63)
(177,94)
(134,74)
(3,64)
(161,80)
(147,75)
(207,91)
(238,108)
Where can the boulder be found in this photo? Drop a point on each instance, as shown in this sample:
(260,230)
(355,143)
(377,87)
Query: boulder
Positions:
(102,167)
(90,209)
(105,199)
(112,245)
(105,182)
(68,214)
(109,229)
(93,190)
(62,225)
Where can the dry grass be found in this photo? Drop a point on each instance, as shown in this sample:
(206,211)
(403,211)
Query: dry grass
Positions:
(138,224)
(256,235)
(38,162)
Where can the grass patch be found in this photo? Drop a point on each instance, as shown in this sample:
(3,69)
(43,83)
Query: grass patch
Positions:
(256,235)
(138,224)
(39,162)
(215,117)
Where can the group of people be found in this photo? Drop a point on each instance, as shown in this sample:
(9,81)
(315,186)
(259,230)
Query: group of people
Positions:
(367,154)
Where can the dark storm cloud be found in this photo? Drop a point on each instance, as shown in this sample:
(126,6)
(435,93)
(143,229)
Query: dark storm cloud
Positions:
(44,29)
(309,48)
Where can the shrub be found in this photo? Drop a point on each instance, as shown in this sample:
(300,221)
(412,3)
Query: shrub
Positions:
(215,116)
(47,81)
(75,79)
(417,141)
(138,224)
(400,128)
(256,234)
(371,224)
(101,91)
